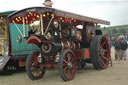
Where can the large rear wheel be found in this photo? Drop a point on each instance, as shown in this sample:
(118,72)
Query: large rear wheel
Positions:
(99,52)
(33,69)
(67,65)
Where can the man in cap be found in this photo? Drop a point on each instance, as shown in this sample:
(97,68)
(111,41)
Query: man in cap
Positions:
(48,3)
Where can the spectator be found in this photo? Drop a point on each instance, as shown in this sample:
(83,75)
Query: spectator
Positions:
(124,45)
(117,47)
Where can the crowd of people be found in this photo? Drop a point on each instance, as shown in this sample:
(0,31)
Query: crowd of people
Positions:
(120,46)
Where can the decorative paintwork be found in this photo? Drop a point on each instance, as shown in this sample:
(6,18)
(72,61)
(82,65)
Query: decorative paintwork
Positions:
(20,48)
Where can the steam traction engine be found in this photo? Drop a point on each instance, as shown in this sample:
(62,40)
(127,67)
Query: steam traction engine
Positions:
(66,40)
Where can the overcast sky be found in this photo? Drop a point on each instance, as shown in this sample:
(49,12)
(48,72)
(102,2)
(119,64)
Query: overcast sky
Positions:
(115,11)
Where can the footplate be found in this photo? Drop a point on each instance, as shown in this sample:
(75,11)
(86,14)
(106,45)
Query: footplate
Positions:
(3,61)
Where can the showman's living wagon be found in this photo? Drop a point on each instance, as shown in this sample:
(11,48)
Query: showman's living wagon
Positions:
(13,46)
(65,40)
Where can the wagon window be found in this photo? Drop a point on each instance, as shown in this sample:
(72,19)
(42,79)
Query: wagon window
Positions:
(35,27)
(3,28)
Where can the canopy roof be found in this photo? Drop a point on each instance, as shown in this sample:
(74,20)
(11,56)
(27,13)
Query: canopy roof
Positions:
(41,10)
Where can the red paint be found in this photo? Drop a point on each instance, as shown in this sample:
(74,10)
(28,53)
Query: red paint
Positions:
(35,59)
(79,35)
(34,40)
(49,65)
(86,53)
(78,53)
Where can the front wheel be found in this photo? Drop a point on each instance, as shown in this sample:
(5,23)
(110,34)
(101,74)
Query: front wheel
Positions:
(33,69)
(67,65)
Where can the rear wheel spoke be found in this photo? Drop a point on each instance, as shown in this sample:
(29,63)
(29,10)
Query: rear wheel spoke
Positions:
(102,44)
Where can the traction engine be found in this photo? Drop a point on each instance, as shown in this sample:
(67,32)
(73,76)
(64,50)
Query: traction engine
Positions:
(66,41)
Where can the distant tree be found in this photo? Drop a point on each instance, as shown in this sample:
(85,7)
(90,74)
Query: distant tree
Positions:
(109,32)
(114,31)
(123,31)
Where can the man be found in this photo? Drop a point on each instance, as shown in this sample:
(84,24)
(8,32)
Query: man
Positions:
(123,48)
(117,49)
(48,3)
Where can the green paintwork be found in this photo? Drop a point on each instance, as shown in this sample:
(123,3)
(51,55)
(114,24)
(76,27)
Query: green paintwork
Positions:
(20,48)
(8,12)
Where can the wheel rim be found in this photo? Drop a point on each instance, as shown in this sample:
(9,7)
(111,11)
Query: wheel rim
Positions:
(67,65)
(104,52)
(36,71)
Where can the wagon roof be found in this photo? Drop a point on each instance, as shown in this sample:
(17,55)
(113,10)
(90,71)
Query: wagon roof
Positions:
(7,12)
(41,10)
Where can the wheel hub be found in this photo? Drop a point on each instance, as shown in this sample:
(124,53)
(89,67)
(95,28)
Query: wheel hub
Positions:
(70,65)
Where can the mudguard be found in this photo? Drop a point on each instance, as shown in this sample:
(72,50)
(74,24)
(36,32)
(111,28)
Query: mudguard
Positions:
(3,61)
